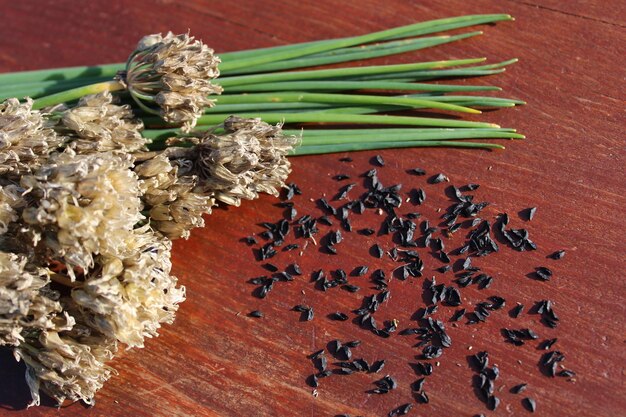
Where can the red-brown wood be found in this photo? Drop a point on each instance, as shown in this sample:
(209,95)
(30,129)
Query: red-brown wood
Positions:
(216,361)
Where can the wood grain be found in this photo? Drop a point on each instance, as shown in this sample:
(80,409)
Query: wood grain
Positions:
(216,361)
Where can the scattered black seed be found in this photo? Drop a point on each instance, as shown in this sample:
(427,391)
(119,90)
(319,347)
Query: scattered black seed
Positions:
(251,240)
(493,402)
(334,346)
(471,187)
(444,269)
(557,255)
(378,251)
(530,213)
(339,316)
(418,385)
(519,388)
(256,314)
(331,249)
(431,352)
(316,354)
(344,352)
(436,179)
(343,192)
(313,381)
(325,220)
(366,232)
(270,267)
(547,344)
(417,171)
(267,251)
(543,273)
(424,368)
(482,360)
(458,315)
(530,404)
(516,311)
(401,410)
(379,160)
(377,366)
(359,271)
(422,397)
(351,288)
(290,247)
(345,159)
(419,196)
(567,373)
(341,177)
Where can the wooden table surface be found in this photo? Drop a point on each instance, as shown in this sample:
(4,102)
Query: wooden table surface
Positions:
(217,361)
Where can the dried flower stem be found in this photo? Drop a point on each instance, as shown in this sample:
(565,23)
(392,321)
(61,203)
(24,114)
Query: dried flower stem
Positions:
(76,93)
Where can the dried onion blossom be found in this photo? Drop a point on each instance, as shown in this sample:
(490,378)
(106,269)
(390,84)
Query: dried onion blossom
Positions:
(26,137)
(175,73)
(250,157)
(174,208)
(66,366)
(98,125)
(129,297)
(81,206)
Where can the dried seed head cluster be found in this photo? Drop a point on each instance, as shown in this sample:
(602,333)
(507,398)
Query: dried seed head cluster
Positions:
(81,206)
(26,137)
(174,72)
(87,216)
(249,158)
(66,365)
(24,303)
(98,125)
(128,298)
(174,207)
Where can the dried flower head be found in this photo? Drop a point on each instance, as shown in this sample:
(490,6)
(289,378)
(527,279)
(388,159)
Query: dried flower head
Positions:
(25,301)
(174,208)
(98,125)
(11,204)
(128,298)
(65,365)
(249,158)
(26,138)
(174,72)
(81,206)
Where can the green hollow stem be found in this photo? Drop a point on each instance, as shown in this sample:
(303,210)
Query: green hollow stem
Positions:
(110,70)
(76,93)
(352,54)
(412,136)
(424,28)
(243,62)
(342,72)
(351,147)
(314,117)
(355,85)
(43,88)
(60,74)
(479,101)
(341,99)
(381,132)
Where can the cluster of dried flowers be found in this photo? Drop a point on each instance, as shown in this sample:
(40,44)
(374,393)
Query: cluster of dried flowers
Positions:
(87,213)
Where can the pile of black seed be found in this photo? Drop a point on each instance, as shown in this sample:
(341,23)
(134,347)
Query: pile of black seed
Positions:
(331,225)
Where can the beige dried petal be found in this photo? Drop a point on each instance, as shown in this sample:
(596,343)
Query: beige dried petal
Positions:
(26,138)
(130,300)
(174,208)
(251,157)
(23,301)
(97,125)
(66,367)
(82,204)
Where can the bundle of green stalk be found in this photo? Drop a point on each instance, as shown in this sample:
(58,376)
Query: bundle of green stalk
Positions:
(90,200)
